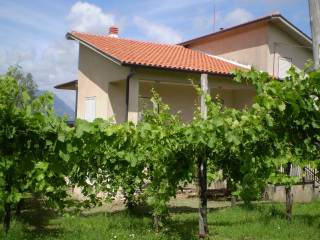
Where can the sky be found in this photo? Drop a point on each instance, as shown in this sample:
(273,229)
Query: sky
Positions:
(32,33)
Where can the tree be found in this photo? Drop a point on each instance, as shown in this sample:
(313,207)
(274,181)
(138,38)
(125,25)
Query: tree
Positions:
(147,161)
(290,109)
(30,139)
(163,148)
(24,80)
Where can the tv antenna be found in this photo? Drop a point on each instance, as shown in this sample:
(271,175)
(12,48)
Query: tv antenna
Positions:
(214,16)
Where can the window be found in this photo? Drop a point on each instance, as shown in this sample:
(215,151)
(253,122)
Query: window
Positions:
(284,66)
(90,109)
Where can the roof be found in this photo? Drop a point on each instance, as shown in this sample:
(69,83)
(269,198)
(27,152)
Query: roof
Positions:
(276,19)
(72,85)
(165,56)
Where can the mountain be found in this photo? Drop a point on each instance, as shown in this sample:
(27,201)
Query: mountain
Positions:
(60,107)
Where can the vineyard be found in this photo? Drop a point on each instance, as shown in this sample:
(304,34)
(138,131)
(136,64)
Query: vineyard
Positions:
(150,161)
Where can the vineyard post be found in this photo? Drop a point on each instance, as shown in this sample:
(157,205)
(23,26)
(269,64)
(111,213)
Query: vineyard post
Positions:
(289,196)
(314,10)
(202,168)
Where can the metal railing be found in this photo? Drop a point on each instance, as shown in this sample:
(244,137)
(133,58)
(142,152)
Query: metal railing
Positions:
(306,174)
(311,175)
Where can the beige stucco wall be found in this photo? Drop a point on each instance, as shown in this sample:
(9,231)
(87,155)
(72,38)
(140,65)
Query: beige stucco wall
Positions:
(282,45)
(94,80)
(234,98)
(300,192)
(255,45)
(179,97)
(247,45)
(174,88)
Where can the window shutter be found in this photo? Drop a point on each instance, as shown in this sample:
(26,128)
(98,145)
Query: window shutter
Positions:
(284,66)
(90,109)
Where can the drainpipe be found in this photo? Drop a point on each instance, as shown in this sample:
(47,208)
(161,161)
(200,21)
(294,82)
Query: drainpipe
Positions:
(127,94)
(274,59)
(76,108)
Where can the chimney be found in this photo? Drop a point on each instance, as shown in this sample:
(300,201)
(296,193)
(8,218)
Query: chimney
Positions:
(113,32)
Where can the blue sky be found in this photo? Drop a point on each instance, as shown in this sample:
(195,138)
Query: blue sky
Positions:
(32,32)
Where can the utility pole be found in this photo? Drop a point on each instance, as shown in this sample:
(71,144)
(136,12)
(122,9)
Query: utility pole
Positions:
(314,11)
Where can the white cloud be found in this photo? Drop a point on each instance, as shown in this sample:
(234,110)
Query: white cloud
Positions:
(157,32)
(236,17)
(57,62)
(86,17)
(167,6)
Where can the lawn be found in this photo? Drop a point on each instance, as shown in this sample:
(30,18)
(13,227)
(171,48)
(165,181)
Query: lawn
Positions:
(262,221)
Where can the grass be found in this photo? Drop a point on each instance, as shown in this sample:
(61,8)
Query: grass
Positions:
(262,221)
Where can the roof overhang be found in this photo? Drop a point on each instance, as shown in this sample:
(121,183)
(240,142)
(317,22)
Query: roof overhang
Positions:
(177,70)
(70,36)
(72,85)
(282,23)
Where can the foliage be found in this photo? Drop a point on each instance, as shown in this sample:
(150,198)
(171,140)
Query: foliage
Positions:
(290,109)
(251,145)
(29,145)
(236,142)
(145,161)
(163,146)
(150,160)
(101,154)
(24,80)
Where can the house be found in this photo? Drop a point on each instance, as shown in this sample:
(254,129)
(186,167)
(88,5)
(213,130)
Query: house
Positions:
(116,75)
(270,43)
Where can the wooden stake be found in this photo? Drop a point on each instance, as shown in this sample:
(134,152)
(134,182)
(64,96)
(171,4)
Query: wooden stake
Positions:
(314,10)
(204,88)
(202,168)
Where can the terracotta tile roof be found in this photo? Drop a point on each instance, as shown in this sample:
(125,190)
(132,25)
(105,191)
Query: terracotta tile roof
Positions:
(141,53)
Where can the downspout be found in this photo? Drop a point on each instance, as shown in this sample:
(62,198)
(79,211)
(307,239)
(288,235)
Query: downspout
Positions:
(76,107)
(274,59)
(127,94)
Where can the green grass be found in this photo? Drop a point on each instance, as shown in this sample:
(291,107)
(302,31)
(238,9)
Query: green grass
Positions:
(262,221)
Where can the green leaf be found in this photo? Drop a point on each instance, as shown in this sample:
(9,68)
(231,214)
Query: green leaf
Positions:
(282,107)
